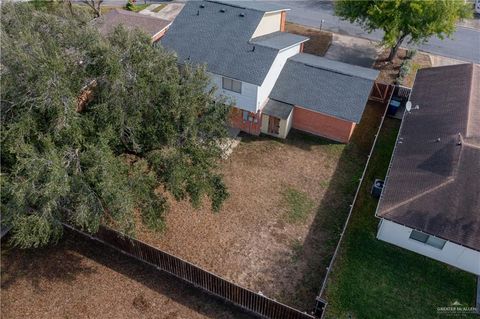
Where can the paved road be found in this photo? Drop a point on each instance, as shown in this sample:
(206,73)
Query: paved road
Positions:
(464,45)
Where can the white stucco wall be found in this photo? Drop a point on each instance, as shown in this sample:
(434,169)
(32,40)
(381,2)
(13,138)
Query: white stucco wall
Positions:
(269,23)
(247,100)
(459,256)
(272,75)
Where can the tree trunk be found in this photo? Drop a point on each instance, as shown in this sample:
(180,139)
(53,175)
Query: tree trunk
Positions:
(95,5)
(394,49)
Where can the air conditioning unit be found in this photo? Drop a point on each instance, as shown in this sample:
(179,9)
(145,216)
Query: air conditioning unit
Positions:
(377,188)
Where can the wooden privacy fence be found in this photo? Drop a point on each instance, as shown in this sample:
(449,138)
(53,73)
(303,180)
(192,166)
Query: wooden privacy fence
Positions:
(381,92)
(248,300)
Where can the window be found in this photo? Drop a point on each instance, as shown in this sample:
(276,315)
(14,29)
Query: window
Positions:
(427,239)
(232,85)
(245,115)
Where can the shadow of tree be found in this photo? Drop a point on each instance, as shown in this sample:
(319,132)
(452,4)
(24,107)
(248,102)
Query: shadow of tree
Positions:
(63,262)
(52,263)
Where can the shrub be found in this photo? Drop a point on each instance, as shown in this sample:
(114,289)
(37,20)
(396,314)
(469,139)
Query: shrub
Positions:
(405,69)
(129,6)
(411,53)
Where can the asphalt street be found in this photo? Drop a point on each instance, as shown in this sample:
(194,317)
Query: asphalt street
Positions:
(464,44)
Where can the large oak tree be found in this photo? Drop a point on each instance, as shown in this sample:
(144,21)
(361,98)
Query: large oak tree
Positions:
(97,130)
(416,20)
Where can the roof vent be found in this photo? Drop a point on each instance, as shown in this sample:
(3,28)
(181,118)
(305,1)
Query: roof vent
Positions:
(198,12)
(459,139)
(202,6)
(241,15)
(222,10)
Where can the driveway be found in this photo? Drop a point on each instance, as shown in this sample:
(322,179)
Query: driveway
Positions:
(464,44)
(353,50)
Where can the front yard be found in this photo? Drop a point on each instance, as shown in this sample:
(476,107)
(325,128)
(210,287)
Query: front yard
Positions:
(373,279)
(277,231)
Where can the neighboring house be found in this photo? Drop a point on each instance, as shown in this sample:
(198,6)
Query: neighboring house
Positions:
(155,27)
(262,68)
(430,202)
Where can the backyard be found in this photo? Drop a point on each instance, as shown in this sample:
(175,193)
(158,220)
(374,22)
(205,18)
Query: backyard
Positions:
(276,234)
(373,279)
(277,231)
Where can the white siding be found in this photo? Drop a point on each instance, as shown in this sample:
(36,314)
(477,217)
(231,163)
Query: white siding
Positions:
(273,73)
(285,126)
(245,100)
(459,256)
(269,23)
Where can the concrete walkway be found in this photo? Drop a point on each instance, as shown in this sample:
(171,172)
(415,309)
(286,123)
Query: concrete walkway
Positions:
(169,12)
(352,50)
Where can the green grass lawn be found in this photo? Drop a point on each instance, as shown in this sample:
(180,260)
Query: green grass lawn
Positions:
(298,203)
(139,7)
(373,279)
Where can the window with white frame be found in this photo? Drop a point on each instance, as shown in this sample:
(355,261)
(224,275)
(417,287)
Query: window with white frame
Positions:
(232,85)
(427,239)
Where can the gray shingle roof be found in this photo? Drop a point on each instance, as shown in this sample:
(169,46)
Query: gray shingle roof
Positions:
(336,66)
(277,109)
(262,6)
(279,40)
(202,33)
(433,182)
(329,87)
(130,20)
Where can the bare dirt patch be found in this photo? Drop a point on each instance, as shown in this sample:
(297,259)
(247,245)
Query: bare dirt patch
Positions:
(252,241)
(319,40)
(83,279)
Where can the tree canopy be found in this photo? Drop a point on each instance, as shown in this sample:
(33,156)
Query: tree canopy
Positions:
(99,129)
(416,19)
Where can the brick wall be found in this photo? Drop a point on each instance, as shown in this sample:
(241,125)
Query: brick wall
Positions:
(251,126)
(283,18)
(159,35)
(322,125)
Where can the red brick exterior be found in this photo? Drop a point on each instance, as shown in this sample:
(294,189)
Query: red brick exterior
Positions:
(283,18)
(159,35)
(322,125)
(251,127)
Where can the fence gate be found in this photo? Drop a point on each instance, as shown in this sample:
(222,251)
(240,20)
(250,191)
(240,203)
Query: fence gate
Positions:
(381,92)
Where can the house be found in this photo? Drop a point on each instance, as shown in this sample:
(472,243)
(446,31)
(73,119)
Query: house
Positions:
(155,27)
(274,85)
(430,202)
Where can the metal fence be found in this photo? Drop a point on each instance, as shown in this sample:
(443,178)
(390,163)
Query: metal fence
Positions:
(252,302)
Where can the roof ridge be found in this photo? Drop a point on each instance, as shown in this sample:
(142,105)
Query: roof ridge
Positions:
(298,58)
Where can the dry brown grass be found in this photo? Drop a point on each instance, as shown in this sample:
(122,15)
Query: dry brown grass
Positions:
(251,241)
(83,279)
(319,40)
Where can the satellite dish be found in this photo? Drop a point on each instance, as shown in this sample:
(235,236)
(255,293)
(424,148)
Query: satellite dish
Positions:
(408,106)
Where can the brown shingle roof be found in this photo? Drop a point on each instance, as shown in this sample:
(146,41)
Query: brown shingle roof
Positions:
(433,184)
(130,20)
